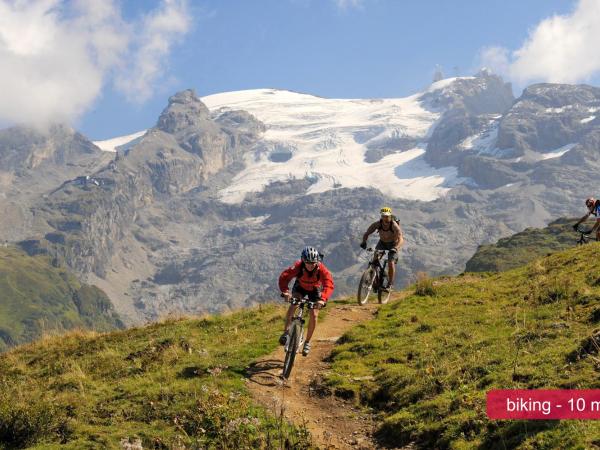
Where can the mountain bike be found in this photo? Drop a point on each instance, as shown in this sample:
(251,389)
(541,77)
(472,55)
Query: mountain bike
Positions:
(584,236)
(295,338)
(374,278)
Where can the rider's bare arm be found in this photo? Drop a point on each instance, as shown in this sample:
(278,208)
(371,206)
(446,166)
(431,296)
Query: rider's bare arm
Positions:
(399,238)
(583,219)
(370,231)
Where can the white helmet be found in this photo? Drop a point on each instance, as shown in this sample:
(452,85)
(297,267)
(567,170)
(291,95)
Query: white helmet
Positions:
(310,254)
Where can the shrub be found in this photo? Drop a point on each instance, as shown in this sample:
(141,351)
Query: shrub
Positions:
(25,421)
(424,285)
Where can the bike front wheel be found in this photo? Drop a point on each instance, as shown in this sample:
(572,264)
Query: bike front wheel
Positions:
(365,286)
(383,296)
(295,335)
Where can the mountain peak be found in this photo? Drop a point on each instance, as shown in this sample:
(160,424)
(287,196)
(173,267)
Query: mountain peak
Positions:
(24,147)
(187,96)
(185,110)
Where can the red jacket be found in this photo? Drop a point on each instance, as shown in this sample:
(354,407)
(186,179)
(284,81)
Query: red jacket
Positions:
(320,278)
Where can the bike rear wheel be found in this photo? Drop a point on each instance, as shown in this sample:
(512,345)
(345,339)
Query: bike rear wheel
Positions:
(292,348)
(365,286)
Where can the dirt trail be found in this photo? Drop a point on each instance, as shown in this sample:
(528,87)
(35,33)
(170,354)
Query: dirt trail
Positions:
(333,423)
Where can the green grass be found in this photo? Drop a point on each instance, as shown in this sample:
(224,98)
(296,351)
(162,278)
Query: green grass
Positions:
(38,298)
(425,363)
(177,384)
(522,248)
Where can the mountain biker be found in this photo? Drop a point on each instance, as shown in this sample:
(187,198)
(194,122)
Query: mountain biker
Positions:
(390,238)
(593,207)
(312,279)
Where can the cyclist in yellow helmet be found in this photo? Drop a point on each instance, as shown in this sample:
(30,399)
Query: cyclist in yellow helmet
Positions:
(390,238)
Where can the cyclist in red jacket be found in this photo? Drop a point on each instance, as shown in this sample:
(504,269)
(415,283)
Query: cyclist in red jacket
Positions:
(312,278)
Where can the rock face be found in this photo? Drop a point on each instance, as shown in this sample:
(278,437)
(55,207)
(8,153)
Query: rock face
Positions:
(523,247)
(185,111)
(34,162)
(469,106)
(23,149)
(114,232)
(549,116)
(150,228)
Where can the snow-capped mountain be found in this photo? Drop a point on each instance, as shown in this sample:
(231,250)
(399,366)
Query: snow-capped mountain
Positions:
(329,140)
(120,143)
(202,211)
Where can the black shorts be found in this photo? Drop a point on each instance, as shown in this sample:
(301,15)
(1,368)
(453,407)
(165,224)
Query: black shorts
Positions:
(299,292)
(390,246)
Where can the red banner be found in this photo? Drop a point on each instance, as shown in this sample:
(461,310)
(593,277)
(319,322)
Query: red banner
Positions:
(543,404)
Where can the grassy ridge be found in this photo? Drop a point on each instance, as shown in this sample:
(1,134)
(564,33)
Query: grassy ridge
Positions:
(177,384)
(522,248)
(36,298)
(426,362)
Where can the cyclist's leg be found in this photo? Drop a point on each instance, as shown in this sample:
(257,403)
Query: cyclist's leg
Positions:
(297,293)
(288,318)
(392,260)
(380,246)
(383,246)
(314,313)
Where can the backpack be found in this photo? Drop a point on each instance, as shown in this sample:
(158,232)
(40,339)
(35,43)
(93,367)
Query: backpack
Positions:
(394,218)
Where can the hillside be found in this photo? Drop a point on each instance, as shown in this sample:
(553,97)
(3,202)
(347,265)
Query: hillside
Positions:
(522,248)
(177,384)
(422,365)
(425,363)
(37,298)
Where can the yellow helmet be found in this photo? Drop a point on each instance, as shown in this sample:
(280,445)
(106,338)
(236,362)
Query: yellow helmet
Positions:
(386,211)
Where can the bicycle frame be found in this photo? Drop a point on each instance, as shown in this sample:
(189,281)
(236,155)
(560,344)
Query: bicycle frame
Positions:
(379,262)
(374,277)
(584,236)
(296,333)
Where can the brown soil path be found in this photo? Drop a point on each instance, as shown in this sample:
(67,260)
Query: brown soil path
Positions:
(332,422)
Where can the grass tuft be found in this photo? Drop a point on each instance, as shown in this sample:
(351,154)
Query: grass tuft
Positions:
(424,285)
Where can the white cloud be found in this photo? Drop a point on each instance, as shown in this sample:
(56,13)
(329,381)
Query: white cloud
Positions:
(495,58)
(157,34)
(560,49)
(57,55)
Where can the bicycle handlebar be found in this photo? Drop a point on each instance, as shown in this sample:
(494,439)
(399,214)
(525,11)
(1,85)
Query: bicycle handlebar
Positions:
(309,304)
(371,249)
(303,300)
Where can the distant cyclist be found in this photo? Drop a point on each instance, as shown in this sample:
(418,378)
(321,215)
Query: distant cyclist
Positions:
(390,238)
(593,207)
(312,279)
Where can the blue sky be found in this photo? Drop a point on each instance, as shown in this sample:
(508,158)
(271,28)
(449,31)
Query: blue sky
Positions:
(331,48)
